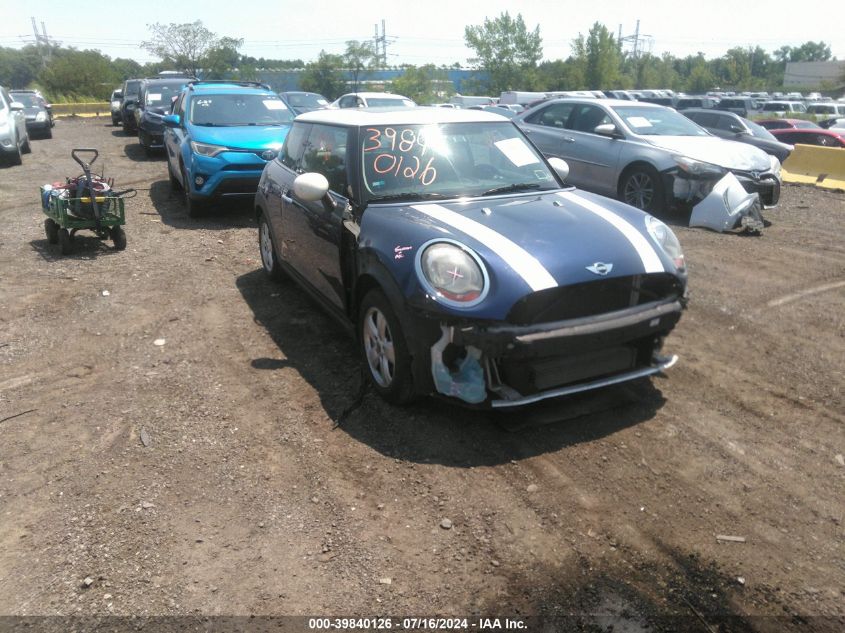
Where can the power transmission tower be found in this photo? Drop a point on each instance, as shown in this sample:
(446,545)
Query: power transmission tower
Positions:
(43,42)
(636,40)
(380,42)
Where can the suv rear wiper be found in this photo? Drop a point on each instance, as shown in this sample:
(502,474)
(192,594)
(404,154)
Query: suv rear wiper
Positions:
(517,186)
(420,195)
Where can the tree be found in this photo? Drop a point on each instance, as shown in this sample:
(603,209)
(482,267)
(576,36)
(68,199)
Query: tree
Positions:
(597,57)
(324,76)
(77,74)
(507,50)
(425,84)
(19,68)
(358,57)
(188,47)
(807,52)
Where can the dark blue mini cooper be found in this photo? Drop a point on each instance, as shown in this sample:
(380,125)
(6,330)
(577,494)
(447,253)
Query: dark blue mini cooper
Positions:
(462,263)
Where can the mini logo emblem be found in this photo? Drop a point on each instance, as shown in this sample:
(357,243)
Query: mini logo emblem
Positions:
(600,268)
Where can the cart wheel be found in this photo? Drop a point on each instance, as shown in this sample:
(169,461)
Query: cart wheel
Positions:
(118,236)
(65,243)
(52,231)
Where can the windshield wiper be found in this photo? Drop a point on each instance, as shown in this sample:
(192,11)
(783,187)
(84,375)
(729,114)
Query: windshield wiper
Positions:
(517,186)
(410,195)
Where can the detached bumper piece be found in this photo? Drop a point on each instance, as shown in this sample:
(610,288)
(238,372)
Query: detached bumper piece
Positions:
(518,365)
(729,206)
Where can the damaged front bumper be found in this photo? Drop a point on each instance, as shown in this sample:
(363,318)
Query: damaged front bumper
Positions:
(728,206)
(501,365)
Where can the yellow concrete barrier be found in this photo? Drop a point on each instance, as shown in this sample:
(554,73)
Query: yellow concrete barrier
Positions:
(815,165)
(96,108)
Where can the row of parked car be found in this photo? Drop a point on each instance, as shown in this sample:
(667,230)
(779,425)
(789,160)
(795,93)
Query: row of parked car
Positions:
(452,242)
(24,114)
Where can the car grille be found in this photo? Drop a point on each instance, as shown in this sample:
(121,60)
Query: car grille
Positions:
(593,297)
(764,184)
(231,186)
(533,376)
(244,167)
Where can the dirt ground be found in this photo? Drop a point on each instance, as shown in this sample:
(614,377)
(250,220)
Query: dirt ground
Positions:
(244,499)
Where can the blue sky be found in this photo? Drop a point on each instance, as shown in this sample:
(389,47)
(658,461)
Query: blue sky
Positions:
(421,32)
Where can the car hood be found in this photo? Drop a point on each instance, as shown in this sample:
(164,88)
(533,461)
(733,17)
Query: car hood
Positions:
(242,136)
(717,151)
(528,243)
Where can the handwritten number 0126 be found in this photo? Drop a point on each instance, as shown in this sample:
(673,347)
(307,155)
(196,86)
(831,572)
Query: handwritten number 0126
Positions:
(387,163)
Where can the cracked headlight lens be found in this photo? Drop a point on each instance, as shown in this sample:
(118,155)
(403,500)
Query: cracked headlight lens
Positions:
(698,168)
(453,273)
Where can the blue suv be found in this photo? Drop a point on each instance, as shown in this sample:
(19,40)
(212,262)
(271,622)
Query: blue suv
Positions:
(219,137)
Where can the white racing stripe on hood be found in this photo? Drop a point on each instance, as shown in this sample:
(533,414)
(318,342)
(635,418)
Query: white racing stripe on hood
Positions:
(525,264)
(651,260)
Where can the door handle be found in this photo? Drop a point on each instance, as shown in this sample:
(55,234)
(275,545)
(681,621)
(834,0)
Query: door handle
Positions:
(568,139)
(284,196)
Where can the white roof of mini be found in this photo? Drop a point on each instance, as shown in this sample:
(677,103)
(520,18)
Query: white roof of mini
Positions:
(358,117)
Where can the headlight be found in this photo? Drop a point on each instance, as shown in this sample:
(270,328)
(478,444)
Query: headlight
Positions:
(667,241)
(697,168)
(204,149)
(453,273)
(41,116)
(115,104)
(775,163)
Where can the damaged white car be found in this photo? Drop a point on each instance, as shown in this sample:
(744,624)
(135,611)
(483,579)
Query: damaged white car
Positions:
(654,158)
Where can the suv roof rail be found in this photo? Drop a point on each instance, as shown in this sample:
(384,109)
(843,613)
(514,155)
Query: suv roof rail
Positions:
(234,82)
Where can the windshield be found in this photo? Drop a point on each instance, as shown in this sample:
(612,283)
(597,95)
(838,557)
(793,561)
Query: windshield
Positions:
(162,95)
(238,109)
(759,131)
(450,160)
(28,100)
(306,100)
(657,121)
(381,102)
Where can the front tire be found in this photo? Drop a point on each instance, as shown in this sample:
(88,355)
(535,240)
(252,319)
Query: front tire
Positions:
(641,187)
(268,253)
(383,349)
(195,208)
(174,181)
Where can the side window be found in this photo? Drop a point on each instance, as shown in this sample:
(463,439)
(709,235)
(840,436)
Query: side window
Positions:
(725,123)
(705,119)
(587,117)
(180,107)
(291,153)
(325,153)
(348,102)
(555,115)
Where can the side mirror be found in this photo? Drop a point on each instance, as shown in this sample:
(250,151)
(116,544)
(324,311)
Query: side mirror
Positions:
(738,129)
(16,105)
(172,120)
(310,186)
(607,129)
(560,166)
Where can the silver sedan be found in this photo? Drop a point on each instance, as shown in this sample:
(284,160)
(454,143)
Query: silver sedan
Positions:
(647,155)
